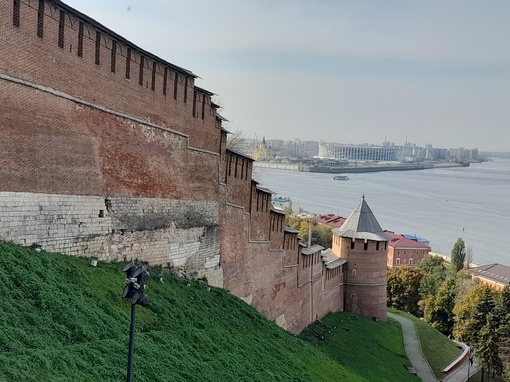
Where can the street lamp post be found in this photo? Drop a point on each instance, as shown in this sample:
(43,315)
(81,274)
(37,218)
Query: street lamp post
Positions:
(131,344)
(469,364)
(136,278)
(470,361)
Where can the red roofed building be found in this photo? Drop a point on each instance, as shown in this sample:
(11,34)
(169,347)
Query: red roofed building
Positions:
(405,251)
(330,220)
(496,276)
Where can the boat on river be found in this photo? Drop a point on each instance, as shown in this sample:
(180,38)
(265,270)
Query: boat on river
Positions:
(341,177)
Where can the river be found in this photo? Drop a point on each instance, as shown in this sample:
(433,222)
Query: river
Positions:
(439,204)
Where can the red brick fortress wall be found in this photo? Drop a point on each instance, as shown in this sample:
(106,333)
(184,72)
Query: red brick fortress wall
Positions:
(65,98)
(64,49)
(94,163)
(57,145)
(107,150)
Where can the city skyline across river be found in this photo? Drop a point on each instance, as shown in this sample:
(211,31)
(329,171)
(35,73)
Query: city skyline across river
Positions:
(440,204)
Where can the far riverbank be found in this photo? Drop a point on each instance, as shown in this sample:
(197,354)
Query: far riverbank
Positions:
(356,168)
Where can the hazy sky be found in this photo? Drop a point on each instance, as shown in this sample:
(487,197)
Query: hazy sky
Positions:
(432,72)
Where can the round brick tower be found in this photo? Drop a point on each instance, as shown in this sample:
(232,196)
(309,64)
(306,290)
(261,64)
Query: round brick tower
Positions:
(362,242)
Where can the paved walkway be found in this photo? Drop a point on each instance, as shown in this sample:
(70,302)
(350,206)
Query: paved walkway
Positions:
(413,349)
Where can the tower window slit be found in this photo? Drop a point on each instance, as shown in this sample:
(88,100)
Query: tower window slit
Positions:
(153,83)
(175,84)
(165,78)
(140,77)
(40,19)
(61,28)
(98,47)
(15,13)
(80,39)
(128,64)
(114,56)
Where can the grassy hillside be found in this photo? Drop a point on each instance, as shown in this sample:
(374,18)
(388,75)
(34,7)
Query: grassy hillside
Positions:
(64,320)
(373,350)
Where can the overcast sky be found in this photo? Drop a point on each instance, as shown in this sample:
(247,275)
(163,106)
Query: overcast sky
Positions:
(429,72)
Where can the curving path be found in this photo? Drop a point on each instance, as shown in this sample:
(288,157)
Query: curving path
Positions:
(413,349)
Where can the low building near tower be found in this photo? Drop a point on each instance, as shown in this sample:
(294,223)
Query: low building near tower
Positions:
(403,250)
(332,220)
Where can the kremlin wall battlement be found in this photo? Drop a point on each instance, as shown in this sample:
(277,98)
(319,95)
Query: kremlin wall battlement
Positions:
(109,151)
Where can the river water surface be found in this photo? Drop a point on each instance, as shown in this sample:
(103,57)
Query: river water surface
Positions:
(440,204)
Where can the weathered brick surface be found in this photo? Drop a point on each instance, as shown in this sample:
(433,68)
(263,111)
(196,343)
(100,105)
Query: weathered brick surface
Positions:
(276,236)
(70,224)
(56,145)
(260,214)
(282,284)
(238,172)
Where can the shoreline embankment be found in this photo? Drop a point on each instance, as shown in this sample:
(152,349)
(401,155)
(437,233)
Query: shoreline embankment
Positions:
(353,169)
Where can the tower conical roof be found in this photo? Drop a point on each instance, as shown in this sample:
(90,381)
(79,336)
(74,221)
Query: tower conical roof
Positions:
(362,224)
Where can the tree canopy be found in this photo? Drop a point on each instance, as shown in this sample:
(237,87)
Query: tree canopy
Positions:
(475,314)
(438,309)
(403,288)
(503,309)
(435,275)
(458,255)
(237,142)
(487,347)
(470,311)
(321,233)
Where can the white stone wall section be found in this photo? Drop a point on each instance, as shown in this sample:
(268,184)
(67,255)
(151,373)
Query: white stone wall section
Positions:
(181,235)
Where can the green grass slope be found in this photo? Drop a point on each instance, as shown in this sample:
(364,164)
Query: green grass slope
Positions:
(372,349)
(64,320)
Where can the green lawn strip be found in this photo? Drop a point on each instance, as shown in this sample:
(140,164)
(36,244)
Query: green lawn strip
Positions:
(373,350)
(438,349)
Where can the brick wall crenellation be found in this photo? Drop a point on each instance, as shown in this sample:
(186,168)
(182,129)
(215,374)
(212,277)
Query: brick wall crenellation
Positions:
(96,82)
